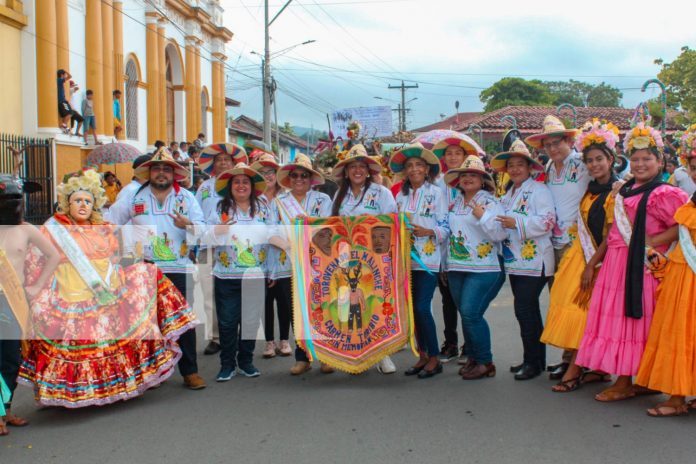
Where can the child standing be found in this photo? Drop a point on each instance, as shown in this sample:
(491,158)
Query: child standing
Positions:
(90,124)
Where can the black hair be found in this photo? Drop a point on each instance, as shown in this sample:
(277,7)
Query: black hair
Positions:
(611,156)
(89,92)
(673,162)
(158,144)
(116,92)
(201,134)
(172,143)
(343,191)
(60,73)
(11,210)
(228,203)
(192,149)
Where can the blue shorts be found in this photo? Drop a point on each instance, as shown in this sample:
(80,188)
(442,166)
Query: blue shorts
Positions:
(90,123)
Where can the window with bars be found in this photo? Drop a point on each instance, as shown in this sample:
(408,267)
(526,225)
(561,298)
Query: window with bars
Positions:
(131,100)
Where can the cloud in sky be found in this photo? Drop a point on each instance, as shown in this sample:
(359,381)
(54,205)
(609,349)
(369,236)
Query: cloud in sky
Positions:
(452,49)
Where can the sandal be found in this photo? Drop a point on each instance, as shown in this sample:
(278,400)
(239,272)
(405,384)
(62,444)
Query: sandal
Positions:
(567,386)
(675,411)
(15,421)
(612,394)
(643,391)
(596,376)
(691,404)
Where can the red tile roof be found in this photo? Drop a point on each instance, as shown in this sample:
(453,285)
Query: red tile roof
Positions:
(449,123)
(530,118)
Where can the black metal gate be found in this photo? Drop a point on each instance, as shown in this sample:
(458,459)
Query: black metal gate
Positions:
(37,167)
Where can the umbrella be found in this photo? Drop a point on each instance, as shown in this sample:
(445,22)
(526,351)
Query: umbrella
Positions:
(112,153)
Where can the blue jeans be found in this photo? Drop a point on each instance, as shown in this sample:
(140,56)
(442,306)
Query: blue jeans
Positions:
(423,288)
(235,349)
(473,292)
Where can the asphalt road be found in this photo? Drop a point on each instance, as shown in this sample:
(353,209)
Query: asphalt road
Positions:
(340,418)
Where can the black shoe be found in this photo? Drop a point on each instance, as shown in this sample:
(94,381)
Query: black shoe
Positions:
(212,348)
(414,370)
(514,369)
(528,371)
(448,352)
(425,374)
(558,371)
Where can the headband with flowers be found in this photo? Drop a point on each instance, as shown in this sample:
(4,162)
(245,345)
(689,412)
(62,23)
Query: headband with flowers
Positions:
(641,137)
(598,132)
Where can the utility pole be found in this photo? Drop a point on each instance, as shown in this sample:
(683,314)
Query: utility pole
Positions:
(402,112)
(266,80)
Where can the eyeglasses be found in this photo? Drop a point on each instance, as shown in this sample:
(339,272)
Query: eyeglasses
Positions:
(162,168)
(267,172)
(299,175)
(553,145)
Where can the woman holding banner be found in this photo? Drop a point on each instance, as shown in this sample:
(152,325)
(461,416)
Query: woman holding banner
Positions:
(300,200)
(358,194)
(426,204)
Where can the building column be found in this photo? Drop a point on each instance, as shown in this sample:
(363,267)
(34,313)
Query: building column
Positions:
(190,87)
(219,97)
(198,90)
(161,46)
(95,60)
(46,65)
(153,101)
(108,59)
(119,80)
(62,37)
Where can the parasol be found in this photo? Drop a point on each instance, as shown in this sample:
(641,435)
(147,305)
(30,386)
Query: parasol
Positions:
(112,153)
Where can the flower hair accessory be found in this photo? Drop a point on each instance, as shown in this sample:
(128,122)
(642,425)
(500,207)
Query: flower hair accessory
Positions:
(641,137)
(598,132)
(353,130)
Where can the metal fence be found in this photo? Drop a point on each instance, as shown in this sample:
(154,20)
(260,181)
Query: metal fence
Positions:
(37,167)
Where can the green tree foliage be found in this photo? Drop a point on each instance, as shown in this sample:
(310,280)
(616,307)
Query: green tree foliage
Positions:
(514,91)
(286,128)
(604,95)
(680,78)
(583,94)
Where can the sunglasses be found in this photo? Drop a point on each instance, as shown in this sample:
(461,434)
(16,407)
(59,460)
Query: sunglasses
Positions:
(299,175)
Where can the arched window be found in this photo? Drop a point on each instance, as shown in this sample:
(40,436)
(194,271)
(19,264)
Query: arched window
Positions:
(131,100)
(204,112)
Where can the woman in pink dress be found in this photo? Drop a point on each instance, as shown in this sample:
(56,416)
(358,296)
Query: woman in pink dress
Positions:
(623,300)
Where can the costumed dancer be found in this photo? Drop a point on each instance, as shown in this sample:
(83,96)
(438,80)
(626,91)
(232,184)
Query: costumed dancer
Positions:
(16,238)
(102,333)
(668,361)
(427,206)
(527,251)
(474,268)
(267,165)
(167,219)
(214,160)
(567,179)
(357,194)
(452,152)
(623,299)
(572,288)
(298,201)
(239,238)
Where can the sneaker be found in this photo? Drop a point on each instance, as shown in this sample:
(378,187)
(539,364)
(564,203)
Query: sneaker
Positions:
(386,366)
(285,349)
(248,371)
(270,350)
(225,374)
(212,348)
(463,357)
(194,382)
(448,352)
(300,367)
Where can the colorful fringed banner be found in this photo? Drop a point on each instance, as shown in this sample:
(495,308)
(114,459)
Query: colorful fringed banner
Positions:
(352,300)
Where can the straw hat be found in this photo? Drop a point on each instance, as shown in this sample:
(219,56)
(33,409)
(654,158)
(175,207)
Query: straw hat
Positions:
(356,153)
(472,164)
(162,156)
(301,161)
(553,127)
(256,148)
(222,181)
(266,160)
(397,162)
(519,150)
(209,153)
(470,147)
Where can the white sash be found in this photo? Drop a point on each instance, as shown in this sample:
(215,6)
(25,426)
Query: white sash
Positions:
(290,207)
(586,240)
(687,246)
(622,221)
(79,260)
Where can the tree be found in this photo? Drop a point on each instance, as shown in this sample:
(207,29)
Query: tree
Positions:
(287,129)
(583,94)
(604,95)
(515,91)
(680,78)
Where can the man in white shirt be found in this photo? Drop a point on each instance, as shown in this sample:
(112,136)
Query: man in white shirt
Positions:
(683,179)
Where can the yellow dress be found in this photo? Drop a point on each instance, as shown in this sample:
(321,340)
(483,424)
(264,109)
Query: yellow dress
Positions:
(565,321)
(669,360)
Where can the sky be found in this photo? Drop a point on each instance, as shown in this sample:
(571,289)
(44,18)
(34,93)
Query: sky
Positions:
(451,49)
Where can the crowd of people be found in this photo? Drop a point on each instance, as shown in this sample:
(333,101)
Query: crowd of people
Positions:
(618,255)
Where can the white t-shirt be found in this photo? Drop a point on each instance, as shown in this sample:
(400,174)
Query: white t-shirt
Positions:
(682,179)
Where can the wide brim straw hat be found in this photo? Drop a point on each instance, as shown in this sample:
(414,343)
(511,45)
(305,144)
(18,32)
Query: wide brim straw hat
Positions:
(162,156)
(356,153)
(553,127)
(257,180)
(266,160)
(398,159)
(472,164)
(462,140)
(256,148)
(519,150)
(301,161)
(208,154)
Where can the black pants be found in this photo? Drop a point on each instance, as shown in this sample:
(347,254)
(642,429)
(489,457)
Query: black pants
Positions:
(187,341)
(526,291)
(277,294)
(450,314)
(10,348)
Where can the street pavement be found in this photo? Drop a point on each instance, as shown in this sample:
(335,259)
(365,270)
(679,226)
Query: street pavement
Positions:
(339,418)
